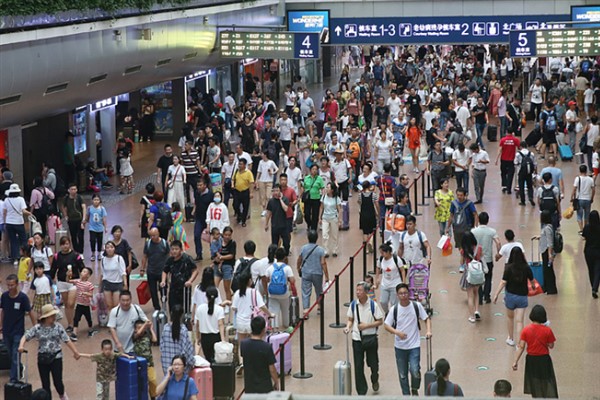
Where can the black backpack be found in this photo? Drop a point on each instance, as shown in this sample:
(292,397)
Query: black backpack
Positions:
(60,189)
(243,268)
(46,206)
(527,166)
(165,219)
(548,200)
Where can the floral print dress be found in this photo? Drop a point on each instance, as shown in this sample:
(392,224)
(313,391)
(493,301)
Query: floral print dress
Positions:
(177,231)
(442,213)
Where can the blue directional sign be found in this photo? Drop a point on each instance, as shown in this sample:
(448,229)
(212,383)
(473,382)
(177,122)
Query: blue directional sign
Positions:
(522,44)
(306,45)
(307,21)
(585,14)
(427,30)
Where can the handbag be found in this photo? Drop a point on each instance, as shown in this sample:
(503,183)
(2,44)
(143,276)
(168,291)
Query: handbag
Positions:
(534,288)
(223,352)
(463,282)
(575,199)
(205,236)
(134,261)
(388,201)
(367,341)
(47,358)
(36,227)
(306,193)
(143,292)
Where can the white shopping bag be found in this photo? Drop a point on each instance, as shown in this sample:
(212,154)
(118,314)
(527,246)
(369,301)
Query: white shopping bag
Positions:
(442,242)
(223,352)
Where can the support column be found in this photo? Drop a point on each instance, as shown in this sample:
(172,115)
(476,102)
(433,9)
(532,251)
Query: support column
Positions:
(108,128)
(15,154)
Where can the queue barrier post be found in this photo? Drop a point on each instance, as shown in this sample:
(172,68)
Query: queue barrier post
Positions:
(282,367)
(416,197)
(351,294)
(374,254)
(364,254)
(302,374)
(321,345)
(337,323)
(423,203)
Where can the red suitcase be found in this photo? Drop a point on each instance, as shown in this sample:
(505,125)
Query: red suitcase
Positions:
(203,377)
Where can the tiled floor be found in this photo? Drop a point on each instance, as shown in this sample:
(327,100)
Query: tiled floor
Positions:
(476,352)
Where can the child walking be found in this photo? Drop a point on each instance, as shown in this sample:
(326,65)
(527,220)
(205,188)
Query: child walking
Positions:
(177,231)
(143,337)
(25,269)
(96,219)
(41,286)
(106,370)
(126,172)
(83,302)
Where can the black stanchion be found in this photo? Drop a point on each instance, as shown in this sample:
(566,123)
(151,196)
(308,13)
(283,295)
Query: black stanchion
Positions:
(416,197)
(364,259)
(351,283)
(429,190)
(374,254)
(302,374)
(321,345)
(282,367)
(337,323)
(423,203)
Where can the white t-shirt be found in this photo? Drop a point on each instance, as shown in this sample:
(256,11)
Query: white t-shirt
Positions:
(228,169)
(384,149)
(588,96)
(113,269)
(177,173)
(536,93)
(209,323)
(390,274)
(429,116)
(412,246)
(42,284)
(287,270)
(42,256)
(243,305)
(462,115)
(124,324)
(1,211)
(246,157)
(14,207)
(394,106)
(461,158)
(285,128)
(595,160)
(367,316)
(583,187)
(570,115)
(266,170)
(406,321)
(294,176)
(507,248)
(371,178)
(231,102)
(199,297)
(340,170)
(477,159)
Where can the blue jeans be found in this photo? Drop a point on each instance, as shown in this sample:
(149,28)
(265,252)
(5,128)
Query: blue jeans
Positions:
(409,360)
(12,345)
(462,179)
(480,128)
(17,237)
(199,226)
(229,121)
(308,282)
(503,125)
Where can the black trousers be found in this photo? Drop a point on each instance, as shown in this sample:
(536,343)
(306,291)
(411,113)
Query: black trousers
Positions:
(83,311)
(191,181)
(56,369)
(525,179)
(592,259)
(507,171)
(359,366)
(343,186)
(283,233)
(549,276)
(154,282)
(96,239)
(207,342)
(311,213)
(76,235)
(486,289)
(436,178)
(241,204)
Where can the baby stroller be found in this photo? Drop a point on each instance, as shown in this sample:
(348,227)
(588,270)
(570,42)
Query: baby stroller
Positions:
(418,285)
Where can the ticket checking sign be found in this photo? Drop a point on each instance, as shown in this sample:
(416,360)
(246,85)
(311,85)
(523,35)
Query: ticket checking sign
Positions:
(426,30)
(281,45)
(555,43)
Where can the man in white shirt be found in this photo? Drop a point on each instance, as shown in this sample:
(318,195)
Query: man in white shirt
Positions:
(393,103)
(583,191)
(121,322)
(364,317)
(294,174)
(264,180)
(306,105)
(229,110)
(461,158)
(505,250)
(240,153)
(414,246)
(285,126)
(429,116)
(479,160)
(333,132)
(403,322)
(487,238)
(341,170)
(572,119)
(462,114)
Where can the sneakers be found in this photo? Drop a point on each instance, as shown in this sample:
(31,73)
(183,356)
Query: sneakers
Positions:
(461,269)
(92,332)
(73,337)
(264,213)
(64,397)
(16,263)
(510,342)
(477,315)
(595,295)
(376,387)
(414,392)
(92,258)
(69,329)
(99,256)
(472,320)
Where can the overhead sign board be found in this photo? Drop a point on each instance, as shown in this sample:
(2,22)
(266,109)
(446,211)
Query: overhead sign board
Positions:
(555,43)
(435,30)
(309,21)
(280,45)
(585,14)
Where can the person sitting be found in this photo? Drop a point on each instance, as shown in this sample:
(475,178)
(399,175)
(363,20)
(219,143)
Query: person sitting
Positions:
(97,174)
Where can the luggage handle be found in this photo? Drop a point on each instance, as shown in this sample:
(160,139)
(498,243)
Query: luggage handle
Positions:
(429,354)
(26,366)
(348,347)
(533,239)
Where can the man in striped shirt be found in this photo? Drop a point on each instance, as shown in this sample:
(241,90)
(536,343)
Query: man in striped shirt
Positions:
(191,162)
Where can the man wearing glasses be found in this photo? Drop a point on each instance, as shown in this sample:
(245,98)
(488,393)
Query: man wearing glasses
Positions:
(403,322)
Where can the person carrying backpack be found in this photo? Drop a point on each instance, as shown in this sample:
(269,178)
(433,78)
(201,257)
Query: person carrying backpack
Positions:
(463,216)
(160,215)
(525,160)
(280,275)
(389,273)
(244,265)
(548,126)
(41,203)
(474,276)
(548,197)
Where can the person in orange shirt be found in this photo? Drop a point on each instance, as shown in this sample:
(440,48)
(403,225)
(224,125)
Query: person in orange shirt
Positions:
(413,138)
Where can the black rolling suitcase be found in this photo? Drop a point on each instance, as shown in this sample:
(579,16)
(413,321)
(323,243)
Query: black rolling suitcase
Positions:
(430,375)
(4,356)
(223,380)
(492,133)
(19,390)
(534,137)
(189,217)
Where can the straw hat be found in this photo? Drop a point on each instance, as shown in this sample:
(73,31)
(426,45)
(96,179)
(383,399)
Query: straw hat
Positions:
(14,188)
(48,310)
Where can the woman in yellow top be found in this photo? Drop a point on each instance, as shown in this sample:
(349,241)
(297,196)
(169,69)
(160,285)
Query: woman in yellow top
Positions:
(25,268)
(442,199)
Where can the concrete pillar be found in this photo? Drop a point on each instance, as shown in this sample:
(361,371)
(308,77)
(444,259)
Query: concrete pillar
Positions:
(15,153)
(109,135)
(179,110)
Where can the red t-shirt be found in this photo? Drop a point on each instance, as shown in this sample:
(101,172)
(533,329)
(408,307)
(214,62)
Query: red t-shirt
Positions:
(509,145)
(289,194)
(537,338)
(82,288)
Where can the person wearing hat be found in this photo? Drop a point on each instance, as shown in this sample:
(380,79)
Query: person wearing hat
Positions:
(572,119)
(50,335)
(15,212)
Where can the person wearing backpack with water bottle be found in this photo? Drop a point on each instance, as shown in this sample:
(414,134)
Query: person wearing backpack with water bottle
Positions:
(280,275)
(525,160)
(548,126)
(471,253)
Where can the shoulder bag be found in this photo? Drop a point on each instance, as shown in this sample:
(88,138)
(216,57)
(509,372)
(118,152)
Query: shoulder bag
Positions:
(368,342)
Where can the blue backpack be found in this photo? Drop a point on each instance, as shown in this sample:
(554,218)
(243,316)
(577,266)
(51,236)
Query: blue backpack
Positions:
(278,284)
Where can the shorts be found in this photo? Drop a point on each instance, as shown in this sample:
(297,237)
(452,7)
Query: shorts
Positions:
(243,328)
(514,301)
(596,171)
(65,287)
(224,272)
(111,286)
(549,137)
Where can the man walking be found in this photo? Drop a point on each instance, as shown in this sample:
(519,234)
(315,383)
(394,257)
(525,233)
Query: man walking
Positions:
(479,160)
(481,119)
(242,182)
(463,217)
(15,305)
(121,322)
(277,208)
(182,271)
(75,210)
(203,197)
(525,160)
(403,322)
(311,265)
(548,197)
(506,154)
(260,375)
(191,163)
(156,252)
(364,317)
(486,238)
(437,164)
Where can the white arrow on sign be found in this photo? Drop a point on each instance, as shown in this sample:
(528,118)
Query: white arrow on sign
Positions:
(338,30)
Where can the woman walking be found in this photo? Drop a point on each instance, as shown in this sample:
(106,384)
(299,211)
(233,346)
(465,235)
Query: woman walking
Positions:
(443,199)
(176,182)
(146,202)
(514,281)
(210,326)
(546,249)
(471,251)
(217,214)
(442,386)
(113,275)
(329,218)
(538,338)
(413,138)
(15,212)
(591,250)
(50,335)
(174,340)
(390,273)
(123,249)
(41,253)
(177,231)
(96,221)
(311,196)
(368,213)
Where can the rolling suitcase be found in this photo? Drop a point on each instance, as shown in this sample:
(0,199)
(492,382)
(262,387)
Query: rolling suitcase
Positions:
(189,217)
(52,225)
(537,268)
(188,320)
(275,339)
(534,137)
(565,153)
(19,390)
(132,379)
(203,377)
(294,310)
(159,317)
(342,374)
(223,380)
(60,233)
(430,375)
(345,216)
(4,357)
(230,336)
(492,133)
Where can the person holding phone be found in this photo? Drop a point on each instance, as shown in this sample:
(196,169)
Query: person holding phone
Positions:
(176,384)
